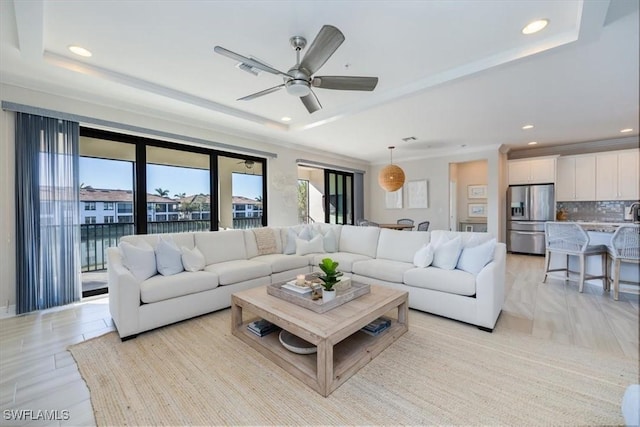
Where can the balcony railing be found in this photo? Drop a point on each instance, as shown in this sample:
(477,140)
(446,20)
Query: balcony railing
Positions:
(96,238)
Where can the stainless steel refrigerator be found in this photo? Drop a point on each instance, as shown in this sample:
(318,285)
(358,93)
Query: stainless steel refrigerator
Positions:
(528,208)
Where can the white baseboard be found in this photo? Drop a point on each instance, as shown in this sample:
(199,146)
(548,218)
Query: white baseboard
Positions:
(8,311)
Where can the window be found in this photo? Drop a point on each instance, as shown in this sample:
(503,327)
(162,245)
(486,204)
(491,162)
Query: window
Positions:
(125,207)
(125,219)
(89,206)
(107,206)
(161,207)
(90,220)
(109,220)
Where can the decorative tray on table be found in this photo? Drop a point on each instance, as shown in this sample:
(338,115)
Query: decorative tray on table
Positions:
(303,298)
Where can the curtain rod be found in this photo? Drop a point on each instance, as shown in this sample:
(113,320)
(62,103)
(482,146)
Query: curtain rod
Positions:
(313,163)
(21,108)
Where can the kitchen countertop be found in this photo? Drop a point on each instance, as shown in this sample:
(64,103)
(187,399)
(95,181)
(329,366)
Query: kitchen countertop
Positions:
(606,227)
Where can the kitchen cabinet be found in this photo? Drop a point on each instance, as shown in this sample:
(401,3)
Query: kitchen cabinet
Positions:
(532,171)
(576,178)
(617,175)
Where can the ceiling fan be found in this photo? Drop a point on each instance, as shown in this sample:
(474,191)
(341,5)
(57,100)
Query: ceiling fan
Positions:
(300,78)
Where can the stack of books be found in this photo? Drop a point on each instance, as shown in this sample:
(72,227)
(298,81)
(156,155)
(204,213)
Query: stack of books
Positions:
(377,326)
(262,327)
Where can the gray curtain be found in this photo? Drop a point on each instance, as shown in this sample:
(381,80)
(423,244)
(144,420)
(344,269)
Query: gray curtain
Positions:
(47,213)
(358,196)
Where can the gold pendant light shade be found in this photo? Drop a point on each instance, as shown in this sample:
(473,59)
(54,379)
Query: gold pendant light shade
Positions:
(391,177)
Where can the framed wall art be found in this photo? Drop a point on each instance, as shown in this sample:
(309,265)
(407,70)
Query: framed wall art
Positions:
(417,194)
(476,191)
(393,199)
(477,210)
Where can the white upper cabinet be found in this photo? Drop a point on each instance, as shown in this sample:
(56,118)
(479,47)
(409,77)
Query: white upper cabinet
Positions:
(532,171)
(576,178)
(617,175)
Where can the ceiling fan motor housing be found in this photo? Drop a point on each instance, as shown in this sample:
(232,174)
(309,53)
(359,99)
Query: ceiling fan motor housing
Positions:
(299,85)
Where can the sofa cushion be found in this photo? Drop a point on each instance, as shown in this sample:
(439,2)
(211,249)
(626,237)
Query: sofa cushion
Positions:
(474,258)
(280,262)
(192,259)
(424,256)
(313,246)
(382,269)
(221,246)
(468,239)
(447,252)
(452,281)
(230,272)
(345,260)
(359,240)
(160,288)
(180,239)
(168,257)
(139,259)
(399,245)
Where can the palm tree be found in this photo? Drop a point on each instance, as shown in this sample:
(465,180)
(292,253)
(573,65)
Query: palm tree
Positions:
(161,192)
(180,195)
(259,199)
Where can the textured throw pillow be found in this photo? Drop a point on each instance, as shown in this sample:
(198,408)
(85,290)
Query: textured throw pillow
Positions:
(424,256)
(168,257)
(446,254)
(473,259)
(139,260)
(265,240)
(330,241)
(313,246)
(192,259)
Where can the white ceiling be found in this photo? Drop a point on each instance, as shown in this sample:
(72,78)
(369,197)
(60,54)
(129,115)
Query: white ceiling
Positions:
(456,75)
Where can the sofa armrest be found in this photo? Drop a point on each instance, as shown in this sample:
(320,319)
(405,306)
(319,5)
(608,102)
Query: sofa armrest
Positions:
(124,295)
(490,283)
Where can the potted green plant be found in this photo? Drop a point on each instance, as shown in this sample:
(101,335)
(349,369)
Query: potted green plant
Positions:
(331,276)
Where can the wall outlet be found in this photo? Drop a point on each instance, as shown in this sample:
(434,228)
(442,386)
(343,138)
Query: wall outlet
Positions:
(628,213)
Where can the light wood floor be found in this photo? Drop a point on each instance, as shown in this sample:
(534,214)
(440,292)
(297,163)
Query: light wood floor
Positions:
(38,373)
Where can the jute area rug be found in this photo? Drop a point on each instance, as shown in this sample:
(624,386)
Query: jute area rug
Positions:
(440,372)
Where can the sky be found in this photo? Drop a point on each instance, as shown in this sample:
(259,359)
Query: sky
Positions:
(118,175)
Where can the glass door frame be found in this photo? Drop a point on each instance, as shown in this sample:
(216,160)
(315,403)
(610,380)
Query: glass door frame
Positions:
(345,190)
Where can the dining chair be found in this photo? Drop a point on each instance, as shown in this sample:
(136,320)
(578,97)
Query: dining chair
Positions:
(569,238)
(423,226)
(405,221)
(625,247)
(361,222)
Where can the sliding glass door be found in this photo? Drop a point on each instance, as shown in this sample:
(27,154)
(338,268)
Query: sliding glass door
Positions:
(338,202)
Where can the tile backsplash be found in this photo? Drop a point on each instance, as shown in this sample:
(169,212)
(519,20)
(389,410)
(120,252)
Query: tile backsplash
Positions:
(605,211)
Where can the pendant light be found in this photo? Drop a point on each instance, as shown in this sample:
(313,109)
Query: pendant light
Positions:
(391,177)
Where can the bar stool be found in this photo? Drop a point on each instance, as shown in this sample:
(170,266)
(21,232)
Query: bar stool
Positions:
(569,238)
(625,247)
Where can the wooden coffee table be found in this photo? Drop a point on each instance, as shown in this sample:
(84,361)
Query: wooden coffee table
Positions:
(342,348)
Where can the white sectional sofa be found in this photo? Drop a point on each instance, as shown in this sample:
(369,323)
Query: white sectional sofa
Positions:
(235,260)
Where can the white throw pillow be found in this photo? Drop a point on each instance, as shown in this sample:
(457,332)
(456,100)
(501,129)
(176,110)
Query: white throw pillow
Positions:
(192,259)
(313,246)
(168,257)
(330,241)
(306,234)
(139,260)
(473,259)
(446,254)
(424,256)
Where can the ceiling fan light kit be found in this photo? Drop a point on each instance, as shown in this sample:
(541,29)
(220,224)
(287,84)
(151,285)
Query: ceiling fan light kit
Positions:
(299,80)
(391,177)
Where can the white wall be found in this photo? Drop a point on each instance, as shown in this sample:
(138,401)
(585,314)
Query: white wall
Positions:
(282,171)
(469,173)
(436,171)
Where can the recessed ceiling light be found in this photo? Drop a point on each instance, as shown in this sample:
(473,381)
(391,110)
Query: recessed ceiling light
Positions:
(78,50)
(286,119)
(525,127)
(535,26)
(532,143)
(626,130)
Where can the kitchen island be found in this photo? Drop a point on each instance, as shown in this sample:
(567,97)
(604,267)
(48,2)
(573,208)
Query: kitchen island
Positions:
(600,233)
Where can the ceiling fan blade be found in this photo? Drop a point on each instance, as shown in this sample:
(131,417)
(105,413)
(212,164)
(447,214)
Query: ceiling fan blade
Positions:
(311,102)
(248,61)
(345,82)
(324,45)
(261,93)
